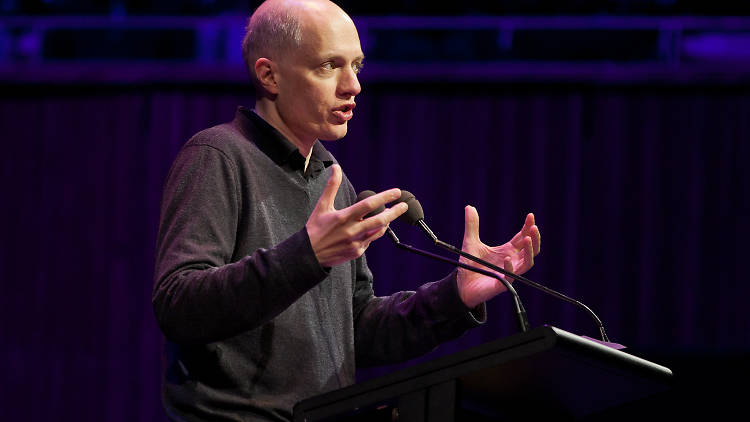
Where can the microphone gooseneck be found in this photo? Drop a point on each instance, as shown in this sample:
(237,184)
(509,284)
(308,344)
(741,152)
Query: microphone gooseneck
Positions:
(523,321)
(415,214)
(416,218)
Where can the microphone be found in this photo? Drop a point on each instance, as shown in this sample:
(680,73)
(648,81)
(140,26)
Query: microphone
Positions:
(366,194)
(415,216)
(523,321)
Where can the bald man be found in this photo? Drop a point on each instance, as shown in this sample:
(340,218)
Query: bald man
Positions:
(262,287)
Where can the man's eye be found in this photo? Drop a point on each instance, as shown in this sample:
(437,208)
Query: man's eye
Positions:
(328,66)
(357,67)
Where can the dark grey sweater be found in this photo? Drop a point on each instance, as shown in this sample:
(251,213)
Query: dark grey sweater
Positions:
(253,322)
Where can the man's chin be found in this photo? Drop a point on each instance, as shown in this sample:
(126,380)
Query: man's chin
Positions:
(334,135)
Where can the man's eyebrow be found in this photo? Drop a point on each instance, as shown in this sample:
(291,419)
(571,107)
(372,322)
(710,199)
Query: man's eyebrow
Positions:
(333,57)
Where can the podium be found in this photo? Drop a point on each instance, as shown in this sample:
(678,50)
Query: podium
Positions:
(544,372)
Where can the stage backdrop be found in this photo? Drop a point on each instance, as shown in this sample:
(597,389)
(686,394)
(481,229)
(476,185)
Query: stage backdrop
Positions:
(641,194)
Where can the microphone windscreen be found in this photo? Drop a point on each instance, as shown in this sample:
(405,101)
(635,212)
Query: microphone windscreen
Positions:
(415,212)
(366,194)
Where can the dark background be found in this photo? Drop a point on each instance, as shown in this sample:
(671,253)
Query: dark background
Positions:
(639,186)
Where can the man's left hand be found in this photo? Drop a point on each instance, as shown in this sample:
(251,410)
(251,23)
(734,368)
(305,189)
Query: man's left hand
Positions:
(517,256)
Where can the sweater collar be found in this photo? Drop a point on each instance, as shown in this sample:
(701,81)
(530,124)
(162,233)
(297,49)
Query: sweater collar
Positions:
(275,145)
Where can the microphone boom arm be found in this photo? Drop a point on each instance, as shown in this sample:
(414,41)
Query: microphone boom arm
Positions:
(523,321)
(520,278)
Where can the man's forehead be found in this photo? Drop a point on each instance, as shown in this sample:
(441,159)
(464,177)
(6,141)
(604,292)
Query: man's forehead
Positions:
(347,48)
(339,50)
(332,35)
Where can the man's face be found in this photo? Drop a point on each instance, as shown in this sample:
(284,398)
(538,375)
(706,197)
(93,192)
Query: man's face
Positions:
(318,82)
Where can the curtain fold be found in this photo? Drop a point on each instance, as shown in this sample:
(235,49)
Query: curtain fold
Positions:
(641,194)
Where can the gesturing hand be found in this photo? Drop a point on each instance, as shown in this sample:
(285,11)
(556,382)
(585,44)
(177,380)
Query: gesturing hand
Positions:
(338,236)
(517,255)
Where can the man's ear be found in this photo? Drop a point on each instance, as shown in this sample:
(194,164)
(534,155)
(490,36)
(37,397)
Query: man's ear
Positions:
(267,73)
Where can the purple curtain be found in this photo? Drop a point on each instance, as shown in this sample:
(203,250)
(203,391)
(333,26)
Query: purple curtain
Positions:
(640,193)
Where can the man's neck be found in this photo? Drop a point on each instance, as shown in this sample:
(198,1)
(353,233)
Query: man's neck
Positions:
(268,112)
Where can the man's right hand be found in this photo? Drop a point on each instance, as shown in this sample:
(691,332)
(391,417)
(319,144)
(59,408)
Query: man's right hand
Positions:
(338,236)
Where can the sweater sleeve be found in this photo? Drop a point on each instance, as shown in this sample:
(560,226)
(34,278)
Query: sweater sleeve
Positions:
(199,294)
(407,324)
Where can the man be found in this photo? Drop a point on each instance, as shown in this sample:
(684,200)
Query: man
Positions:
(262,289)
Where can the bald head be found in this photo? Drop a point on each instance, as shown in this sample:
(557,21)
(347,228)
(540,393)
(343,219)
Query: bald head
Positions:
(278,27)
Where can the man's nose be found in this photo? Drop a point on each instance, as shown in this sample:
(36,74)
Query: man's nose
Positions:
(349,84)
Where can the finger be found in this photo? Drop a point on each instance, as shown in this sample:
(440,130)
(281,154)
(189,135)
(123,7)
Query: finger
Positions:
(328,196)
(365,206)
(518,239)
(383,219)
(508,266)
(536,239)
(471,224)
(526,256)
(529,251)
(529,220)
(374,235)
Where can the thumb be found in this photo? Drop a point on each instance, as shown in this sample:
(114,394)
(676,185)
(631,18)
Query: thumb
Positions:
(329,193)
(471,224)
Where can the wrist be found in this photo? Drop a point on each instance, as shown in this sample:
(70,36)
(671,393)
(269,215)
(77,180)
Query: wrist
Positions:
(461,289)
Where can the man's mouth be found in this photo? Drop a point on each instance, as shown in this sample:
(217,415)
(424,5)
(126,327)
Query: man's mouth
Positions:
(344,112)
